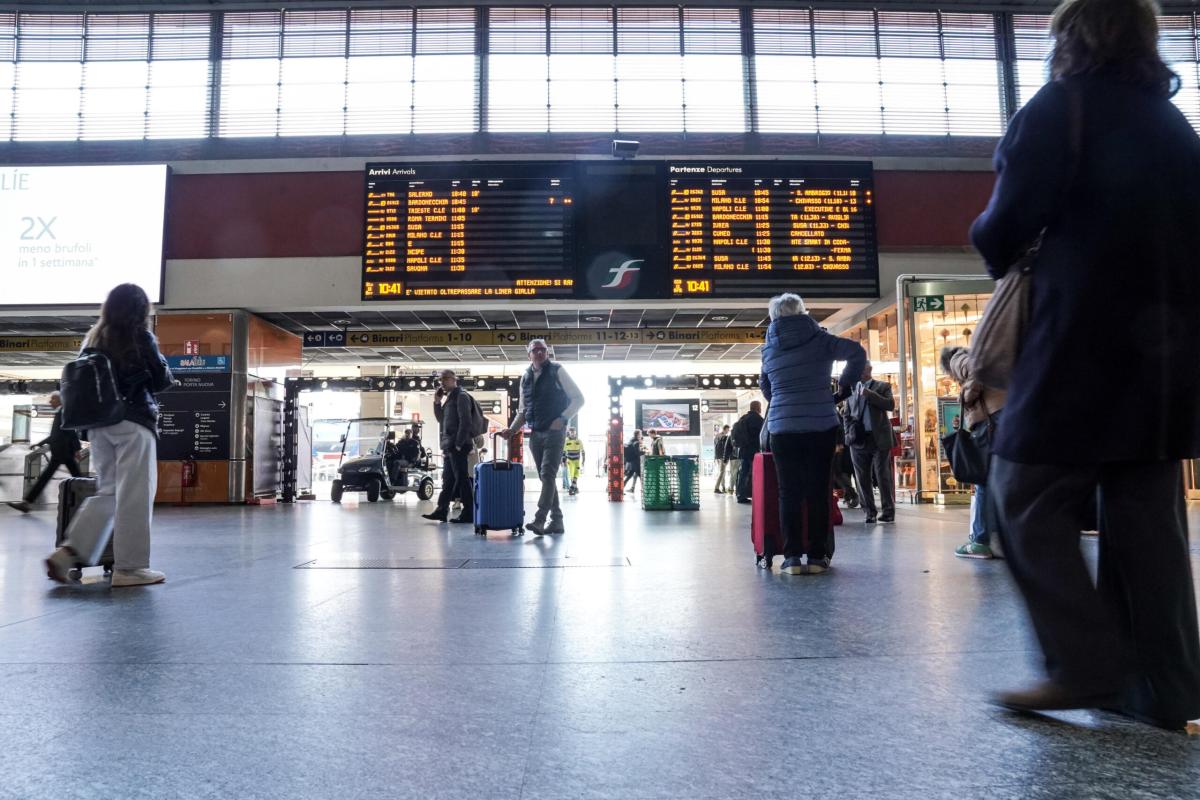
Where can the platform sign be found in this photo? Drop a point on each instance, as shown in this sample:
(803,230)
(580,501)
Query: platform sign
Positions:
(194,418)
(196,363)
(559,336)
(40,344)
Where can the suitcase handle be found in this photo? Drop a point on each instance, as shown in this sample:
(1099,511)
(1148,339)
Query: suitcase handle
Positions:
(499,463)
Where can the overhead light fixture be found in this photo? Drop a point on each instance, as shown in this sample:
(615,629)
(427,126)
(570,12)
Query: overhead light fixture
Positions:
(716,381)
(706,382)
(720,318)
(412,384)
(737,381)
(593,319)
(343,323)
(467,320)
(648,382)
(324,384)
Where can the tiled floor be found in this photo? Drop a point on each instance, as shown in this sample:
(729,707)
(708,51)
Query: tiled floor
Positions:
(684,673)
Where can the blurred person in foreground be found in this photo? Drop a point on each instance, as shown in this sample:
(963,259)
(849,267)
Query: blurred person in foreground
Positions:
(1106,171)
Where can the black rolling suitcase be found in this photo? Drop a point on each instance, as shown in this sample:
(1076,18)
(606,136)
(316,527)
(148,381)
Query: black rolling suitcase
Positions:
(72,492)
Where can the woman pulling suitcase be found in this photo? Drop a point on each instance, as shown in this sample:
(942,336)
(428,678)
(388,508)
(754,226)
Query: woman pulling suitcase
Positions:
(123,453)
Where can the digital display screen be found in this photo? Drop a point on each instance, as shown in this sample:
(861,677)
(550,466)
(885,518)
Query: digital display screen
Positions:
(669,417)
(755,229)
(472,230)
(70,234)
(642,229)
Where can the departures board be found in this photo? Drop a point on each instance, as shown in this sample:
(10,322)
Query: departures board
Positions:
(639,229)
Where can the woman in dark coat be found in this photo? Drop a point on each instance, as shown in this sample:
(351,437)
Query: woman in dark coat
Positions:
(1106,391)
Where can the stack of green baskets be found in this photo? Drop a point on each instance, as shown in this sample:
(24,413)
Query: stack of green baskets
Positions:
(685,483)
(656,488)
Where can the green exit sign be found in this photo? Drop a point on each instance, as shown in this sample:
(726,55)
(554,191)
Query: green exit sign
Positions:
(933,302)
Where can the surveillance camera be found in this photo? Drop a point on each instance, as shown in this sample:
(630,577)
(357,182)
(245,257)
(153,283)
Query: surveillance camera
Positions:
(625,148)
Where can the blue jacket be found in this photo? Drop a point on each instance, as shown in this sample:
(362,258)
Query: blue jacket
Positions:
(797,365)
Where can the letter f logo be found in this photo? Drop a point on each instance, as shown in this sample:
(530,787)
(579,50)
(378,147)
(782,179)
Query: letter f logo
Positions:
(623,275)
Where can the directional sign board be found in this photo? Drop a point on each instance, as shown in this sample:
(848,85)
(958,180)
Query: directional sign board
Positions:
(563,336)
(933,302)
(194,418)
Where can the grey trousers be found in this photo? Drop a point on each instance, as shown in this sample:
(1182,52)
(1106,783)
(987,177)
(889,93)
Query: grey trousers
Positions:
(1135,627)
(722,465)
(547,449)
(873,468)
(124,457)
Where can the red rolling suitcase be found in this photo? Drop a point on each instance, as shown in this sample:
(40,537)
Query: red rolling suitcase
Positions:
(765,531)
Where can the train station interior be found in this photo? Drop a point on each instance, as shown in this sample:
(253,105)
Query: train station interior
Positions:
(331,204)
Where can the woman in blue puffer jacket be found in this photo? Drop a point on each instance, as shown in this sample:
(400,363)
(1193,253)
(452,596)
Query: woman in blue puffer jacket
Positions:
(802,421)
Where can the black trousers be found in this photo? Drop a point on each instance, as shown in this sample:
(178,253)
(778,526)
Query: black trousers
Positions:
(873,468)
(1134,629)
(456,482)
(802,463)
(39,486)
(745,482)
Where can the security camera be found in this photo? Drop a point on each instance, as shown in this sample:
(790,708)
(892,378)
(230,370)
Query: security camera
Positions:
(625,148)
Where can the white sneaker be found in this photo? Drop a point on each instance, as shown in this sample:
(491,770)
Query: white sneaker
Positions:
(136,577)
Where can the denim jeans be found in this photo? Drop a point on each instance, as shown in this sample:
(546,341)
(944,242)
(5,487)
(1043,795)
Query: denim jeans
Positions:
(980,533)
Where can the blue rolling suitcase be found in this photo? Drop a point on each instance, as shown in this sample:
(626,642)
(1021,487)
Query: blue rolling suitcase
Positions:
(499,495)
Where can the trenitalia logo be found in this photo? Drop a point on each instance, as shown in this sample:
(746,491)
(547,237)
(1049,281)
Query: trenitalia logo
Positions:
(624,274)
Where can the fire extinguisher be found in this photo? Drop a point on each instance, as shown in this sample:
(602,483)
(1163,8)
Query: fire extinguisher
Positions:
(188,478)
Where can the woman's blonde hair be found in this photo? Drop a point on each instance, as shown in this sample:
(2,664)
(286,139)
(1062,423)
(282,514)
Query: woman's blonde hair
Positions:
(1119,37)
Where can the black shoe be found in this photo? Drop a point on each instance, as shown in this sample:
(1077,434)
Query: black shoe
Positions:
(463,519)
(1051,696)
(869,520)
(434,516)
(22,506)
(888,518)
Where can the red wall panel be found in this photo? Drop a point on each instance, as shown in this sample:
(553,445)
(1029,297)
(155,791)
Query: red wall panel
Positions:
(298,214)
(929,209)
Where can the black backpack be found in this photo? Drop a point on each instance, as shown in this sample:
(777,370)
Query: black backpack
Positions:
(90,395)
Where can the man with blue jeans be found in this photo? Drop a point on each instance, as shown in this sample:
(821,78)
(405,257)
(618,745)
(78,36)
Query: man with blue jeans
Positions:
(548,399)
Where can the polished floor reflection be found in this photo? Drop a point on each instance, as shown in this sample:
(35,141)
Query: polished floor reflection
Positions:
(641,655)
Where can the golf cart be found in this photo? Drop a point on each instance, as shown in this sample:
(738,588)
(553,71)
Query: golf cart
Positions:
(389,467)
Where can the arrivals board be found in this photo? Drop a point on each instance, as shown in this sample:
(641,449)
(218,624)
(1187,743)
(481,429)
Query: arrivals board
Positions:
(755,229)
(471,230)
(642,229)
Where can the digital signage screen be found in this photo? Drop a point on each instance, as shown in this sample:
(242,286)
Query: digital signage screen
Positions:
(670,417)
(644,229)
(73,233)
(469,231)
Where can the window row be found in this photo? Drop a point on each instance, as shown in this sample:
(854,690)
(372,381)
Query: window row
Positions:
(524,70)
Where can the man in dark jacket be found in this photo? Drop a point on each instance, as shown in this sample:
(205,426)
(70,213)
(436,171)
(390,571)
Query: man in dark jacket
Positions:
(1109,169)
(872,402)
(746,433)
(64,452)
(454,409)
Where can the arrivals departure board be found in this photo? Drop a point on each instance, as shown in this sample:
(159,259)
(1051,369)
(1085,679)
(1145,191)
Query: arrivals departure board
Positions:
(755,229)
(469,230)
(643,229)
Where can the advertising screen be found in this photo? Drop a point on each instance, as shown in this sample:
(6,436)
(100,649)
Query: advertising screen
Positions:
(70,234)
(669,417)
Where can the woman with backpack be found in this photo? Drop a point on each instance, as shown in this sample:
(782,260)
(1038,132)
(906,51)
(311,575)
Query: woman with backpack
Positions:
(124,453)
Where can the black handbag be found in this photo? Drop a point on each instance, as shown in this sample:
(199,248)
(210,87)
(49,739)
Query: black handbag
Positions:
(970,452)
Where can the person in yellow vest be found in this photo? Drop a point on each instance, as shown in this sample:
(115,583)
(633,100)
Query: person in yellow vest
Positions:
(573,453)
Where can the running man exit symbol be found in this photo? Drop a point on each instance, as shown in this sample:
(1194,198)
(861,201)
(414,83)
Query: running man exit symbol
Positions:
(935,302)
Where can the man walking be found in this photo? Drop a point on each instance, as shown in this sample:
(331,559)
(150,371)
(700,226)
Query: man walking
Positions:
(723,452)
(455,411)
(870,403)
(64,452)
(746,433)
(548,399)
